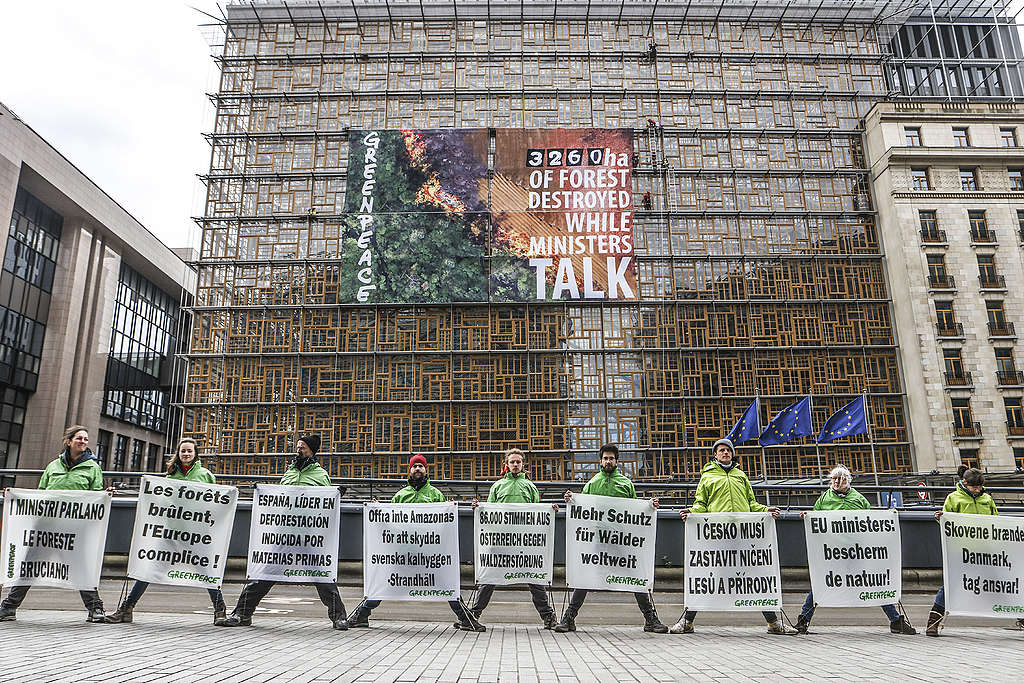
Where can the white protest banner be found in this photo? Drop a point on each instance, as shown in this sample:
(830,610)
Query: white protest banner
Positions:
(294,533)
(411,551)
(515,543)
(854,557)
(731,562)
(609,543)
(182,530)
(54,538)
(982,564)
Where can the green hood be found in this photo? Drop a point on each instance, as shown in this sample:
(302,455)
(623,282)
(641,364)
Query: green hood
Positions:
(84,475)
(513,489)
(830,500)
(195,473)
(725,491)
(310,475)
(962,500)
(424,494)
(614,484)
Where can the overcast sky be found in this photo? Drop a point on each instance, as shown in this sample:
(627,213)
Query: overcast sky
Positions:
(118,87)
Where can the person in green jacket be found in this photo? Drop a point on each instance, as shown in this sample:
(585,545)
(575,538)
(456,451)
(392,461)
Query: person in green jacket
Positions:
(304,470)
(515,487)
(968,497)
(419,490)
(609,481)
(184,465)
(74,469)
(840,495)
(724,487)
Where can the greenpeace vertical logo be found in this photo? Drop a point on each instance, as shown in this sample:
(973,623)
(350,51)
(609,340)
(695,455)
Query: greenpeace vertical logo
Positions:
(10,561)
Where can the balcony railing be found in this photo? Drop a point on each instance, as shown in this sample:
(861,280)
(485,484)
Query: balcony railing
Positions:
(1015,429)
(956,330)
(982,236)
(958,379)
(992,282)
(941,282)
(1010,378)
(1003,329)
(933,236)
(971,430)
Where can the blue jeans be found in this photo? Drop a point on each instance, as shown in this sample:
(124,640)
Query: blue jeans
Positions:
(940,599)
(808,610)
(216,597)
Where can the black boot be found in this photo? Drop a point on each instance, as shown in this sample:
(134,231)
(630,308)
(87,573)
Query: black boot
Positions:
(123,615)
(802,624)
(902,627)
(236,620)
(360,618)
(469,622)
(568,622)
(935,617)
(549,620)
(96,616)
(652,624)
(8,613)
(220,614)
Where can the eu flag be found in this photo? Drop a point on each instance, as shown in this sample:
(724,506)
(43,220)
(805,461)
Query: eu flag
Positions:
(849,420)
(792,422)
(748,427)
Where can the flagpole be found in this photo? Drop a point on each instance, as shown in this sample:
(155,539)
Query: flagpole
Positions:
(817,447)
(871,439)
(764,461)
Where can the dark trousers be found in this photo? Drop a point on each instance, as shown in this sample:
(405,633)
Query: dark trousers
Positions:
(770,617)
(216,597)
(370,605)
(91,599)
(539,595)
(257,590)
(643,601)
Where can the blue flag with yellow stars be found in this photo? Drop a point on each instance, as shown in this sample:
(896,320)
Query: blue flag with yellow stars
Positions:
(849,420)
(792,422)
(748,426)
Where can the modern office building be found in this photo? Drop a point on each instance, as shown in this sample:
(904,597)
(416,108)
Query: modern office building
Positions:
(759,266)
(90,303)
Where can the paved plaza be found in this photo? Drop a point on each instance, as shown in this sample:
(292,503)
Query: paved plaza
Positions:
(173,639)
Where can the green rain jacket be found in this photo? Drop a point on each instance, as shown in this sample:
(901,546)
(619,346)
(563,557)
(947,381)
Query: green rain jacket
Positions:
(83,475)
(614,484)
(423,494)
(830,500)
(725,491)
(310,475)
(962,500)
(513,488)
(195,473)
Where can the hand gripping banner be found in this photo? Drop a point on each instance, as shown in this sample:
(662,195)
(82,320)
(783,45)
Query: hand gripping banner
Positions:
(609,543)
(54,538)
(854,557)
(983,564)
(294,532)
(731,562)
(182,530)
(515,543)
(411,551)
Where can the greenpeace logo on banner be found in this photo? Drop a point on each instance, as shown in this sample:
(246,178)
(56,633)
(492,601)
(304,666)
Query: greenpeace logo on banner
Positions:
(10,562)
(431,593)
(878,595)
(191,576)
(512,576)
(1012,609)
(308,572)
(626,580)
(764,602)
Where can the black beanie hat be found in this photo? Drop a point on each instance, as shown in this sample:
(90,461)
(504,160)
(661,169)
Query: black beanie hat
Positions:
(312,441)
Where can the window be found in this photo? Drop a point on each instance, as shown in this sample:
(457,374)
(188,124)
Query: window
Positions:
(1016,179)
(946,318)
(979,226)
(937,276)
(987,270)
(153,462)
(1008,136)
(962,418)
(103,441)
(961,138)
(33,241)
(1018,458)
(919,179)
(913,136)
(930,227)
(997,323)
(1004,362)
(954,366)
(1020,223)
(969,457)
(120,452)
(138,449)
(968,179)
(1014,416)
(13,402)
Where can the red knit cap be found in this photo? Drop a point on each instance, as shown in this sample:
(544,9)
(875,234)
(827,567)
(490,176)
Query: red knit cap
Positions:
(417,459)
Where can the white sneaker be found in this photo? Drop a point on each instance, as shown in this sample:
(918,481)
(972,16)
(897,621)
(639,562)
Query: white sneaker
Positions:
(682,626)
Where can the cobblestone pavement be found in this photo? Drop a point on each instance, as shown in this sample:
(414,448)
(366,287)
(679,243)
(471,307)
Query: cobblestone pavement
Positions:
(46,645)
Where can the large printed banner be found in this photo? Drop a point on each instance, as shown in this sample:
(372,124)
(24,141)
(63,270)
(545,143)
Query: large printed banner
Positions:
(609,543)
(422,219)
(411,551)
(54,538)
(515,543)
(731,562)
(294,533)
(854,557)
(982,564)
(182,530)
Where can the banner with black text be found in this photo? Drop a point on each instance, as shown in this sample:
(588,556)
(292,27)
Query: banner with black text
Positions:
(411,551)
(182,530)
(609,543)
(854,557)
(982,564)
(294,533)
(731,562)
(515,543)
(54,538)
